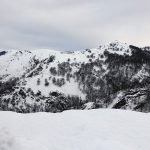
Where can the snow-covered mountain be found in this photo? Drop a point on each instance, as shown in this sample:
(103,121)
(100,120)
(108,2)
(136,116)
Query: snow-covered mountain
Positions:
(115,75)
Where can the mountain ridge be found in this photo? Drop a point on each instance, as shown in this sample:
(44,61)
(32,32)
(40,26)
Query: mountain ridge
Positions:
(115,75)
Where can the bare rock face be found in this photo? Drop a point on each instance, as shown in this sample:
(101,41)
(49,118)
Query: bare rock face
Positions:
(112,76)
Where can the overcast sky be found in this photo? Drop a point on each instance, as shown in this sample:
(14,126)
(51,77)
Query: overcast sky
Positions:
(73,24)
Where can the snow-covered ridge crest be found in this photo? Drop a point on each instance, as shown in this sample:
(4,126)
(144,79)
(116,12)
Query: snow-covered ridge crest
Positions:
(14,62)
(49,80)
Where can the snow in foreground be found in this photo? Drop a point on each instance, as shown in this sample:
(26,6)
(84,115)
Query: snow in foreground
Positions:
(75,130)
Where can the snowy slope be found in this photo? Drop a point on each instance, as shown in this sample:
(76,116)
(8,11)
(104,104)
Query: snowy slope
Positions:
(15,62)
(75,130)
(54,81)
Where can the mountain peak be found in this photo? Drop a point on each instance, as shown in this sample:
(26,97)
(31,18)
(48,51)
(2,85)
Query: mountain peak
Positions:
(111,76)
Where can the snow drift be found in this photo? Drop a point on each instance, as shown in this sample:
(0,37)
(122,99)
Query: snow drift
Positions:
(75,130)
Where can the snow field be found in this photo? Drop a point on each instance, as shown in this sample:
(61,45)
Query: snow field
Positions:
(75,130)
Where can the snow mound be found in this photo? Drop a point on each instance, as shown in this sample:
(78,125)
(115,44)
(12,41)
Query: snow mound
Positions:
(75,130)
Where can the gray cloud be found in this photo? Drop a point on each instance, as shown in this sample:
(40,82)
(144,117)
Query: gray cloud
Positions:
(72,24)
